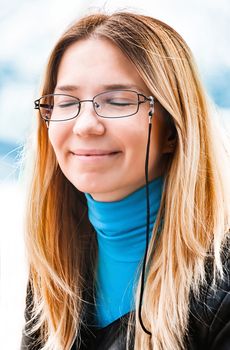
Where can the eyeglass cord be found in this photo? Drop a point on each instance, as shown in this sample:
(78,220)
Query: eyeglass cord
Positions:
(147,224)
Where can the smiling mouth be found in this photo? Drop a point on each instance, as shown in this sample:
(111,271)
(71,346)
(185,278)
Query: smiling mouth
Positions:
(97,155)
(93,157)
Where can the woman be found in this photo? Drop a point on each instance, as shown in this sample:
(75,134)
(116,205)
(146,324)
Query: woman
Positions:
(128,213)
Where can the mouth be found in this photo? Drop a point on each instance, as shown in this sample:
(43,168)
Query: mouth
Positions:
(95,154)
(95,157)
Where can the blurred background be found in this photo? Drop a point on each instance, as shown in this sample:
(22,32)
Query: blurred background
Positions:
(29,30)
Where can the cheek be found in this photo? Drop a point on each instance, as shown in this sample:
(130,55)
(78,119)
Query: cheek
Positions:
(135,141)
(57,137)
(156,146)
(155,140)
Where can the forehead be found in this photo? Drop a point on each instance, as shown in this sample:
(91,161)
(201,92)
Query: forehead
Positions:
(96,63)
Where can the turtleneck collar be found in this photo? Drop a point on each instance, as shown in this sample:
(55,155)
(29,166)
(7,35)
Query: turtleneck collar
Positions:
(121,224)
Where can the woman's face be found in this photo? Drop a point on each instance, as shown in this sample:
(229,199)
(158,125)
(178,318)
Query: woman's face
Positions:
(89,67)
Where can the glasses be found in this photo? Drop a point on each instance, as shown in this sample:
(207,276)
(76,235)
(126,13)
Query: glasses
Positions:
(109,104)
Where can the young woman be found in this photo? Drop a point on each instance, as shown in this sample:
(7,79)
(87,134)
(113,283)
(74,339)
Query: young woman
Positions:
(128,215)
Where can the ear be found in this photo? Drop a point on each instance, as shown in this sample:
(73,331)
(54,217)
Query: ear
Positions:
(170,141)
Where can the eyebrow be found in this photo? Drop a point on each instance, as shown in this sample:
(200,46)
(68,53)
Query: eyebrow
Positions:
(72,88)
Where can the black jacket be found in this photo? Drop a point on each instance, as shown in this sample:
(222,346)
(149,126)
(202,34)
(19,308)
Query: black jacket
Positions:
(209,324)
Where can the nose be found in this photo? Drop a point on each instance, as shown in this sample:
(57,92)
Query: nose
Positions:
(88,122)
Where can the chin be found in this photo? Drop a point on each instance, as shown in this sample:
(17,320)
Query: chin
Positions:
(90,187)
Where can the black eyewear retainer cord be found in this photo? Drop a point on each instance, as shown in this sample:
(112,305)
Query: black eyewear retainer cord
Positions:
(151,112)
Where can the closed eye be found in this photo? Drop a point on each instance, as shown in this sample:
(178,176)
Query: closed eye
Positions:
(68,104)
(121,103)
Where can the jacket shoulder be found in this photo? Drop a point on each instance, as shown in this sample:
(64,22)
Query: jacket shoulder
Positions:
(209,322)
(29,342)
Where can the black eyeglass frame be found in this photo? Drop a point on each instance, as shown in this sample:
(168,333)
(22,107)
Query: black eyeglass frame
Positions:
(37,104)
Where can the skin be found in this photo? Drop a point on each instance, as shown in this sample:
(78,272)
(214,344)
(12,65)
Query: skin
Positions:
(89,65)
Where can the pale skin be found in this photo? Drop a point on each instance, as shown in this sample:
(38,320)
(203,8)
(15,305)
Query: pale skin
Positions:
(88,66)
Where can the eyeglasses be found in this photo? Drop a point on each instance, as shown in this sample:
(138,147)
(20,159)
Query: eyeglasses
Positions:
(109,104)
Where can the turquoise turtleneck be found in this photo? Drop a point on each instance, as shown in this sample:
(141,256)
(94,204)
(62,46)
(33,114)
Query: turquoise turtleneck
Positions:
(121,235)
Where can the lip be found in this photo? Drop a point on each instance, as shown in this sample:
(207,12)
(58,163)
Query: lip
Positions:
(95,157)
(93,152)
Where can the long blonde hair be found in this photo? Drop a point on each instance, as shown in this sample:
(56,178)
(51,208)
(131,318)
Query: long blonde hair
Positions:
(61,243)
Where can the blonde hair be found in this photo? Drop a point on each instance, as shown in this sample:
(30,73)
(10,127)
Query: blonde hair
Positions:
(61,243)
